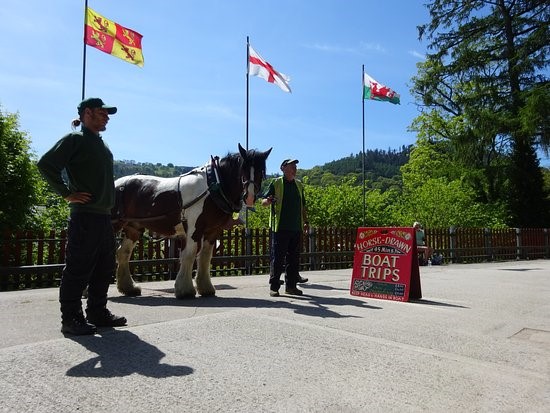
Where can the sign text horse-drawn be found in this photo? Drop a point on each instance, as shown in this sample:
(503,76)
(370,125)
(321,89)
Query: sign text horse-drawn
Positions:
(195,207)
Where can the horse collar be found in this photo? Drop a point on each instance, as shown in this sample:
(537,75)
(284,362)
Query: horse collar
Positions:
(215,188)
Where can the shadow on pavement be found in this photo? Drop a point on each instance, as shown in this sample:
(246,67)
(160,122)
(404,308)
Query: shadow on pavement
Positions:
(321,287)
(436,303)
(122,354)
(316,306)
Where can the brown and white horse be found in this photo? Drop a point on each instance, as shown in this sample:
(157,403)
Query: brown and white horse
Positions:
(195,207)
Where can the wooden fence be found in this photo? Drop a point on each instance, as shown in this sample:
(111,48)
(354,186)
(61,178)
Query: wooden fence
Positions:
(35,260)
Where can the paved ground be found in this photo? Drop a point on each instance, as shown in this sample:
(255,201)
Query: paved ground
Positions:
(478,341)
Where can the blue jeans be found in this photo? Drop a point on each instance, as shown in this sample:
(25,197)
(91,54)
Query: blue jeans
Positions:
(89,262)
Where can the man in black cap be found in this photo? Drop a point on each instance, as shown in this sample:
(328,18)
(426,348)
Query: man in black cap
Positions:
(90,254)
(288,220)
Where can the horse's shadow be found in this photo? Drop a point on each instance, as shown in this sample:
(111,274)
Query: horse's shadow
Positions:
(113,348)
(314,306)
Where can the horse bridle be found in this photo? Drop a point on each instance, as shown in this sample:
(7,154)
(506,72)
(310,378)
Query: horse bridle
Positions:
(250,181)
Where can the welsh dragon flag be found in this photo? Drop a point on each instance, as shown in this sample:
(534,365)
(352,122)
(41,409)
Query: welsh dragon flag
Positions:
(377,91)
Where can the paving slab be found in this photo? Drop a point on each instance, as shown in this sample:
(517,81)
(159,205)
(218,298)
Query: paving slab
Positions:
(478,341)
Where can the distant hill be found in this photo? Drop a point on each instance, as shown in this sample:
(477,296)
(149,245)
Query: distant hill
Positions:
(380,162)
(382,169)
(123,168)
(379,165)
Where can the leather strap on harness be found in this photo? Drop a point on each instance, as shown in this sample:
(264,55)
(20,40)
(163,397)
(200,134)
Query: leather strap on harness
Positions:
(215,188)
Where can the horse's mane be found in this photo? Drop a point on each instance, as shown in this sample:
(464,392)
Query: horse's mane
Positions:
(255,158)
(231,169)
(232,163)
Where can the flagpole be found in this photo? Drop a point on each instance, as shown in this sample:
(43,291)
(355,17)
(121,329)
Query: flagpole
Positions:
(248,236)
(247,84)
(247,104)
(84,53)
(363,157)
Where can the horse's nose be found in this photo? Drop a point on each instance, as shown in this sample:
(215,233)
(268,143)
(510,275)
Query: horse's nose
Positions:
(249,196)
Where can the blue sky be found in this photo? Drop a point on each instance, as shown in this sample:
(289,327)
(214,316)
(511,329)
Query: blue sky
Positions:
(189,100)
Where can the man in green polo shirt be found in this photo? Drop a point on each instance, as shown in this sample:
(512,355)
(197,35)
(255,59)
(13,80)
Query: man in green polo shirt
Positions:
(288,220)
(90,254)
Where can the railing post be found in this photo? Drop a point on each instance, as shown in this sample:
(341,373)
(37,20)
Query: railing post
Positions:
(452,243)
(488,243)
(546,244)
(248,251)
(518,244)
(312,257)
(172,254)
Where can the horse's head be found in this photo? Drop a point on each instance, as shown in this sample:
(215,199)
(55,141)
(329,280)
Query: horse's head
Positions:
(253,173)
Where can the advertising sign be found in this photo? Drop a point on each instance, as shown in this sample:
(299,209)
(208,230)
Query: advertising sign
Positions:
(385,264)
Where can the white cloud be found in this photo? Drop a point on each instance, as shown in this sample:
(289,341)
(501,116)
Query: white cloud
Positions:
(417,54)
(360,49)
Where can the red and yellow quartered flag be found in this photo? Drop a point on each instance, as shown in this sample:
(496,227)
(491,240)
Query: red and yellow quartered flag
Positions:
(112,38)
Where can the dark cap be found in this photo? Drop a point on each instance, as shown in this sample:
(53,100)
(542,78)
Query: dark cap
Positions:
(95,103)
(288,162)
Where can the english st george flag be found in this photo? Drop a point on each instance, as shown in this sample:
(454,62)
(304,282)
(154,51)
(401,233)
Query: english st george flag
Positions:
(112,38)
(257,66)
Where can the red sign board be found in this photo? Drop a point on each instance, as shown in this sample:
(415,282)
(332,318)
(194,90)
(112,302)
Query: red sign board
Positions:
(385,264)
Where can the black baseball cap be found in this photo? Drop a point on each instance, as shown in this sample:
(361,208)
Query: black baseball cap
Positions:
(288,162)
(95,103)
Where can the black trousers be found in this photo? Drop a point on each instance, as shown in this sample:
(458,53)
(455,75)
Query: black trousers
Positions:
(285,255)
(89,262)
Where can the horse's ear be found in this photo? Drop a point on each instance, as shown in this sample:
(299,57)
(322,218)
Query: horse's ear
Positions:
(266,153)
(242,151)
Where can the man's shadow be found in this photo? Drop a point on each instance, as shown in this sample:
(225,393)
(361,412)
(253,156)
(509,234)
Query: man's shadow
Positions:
(122,353)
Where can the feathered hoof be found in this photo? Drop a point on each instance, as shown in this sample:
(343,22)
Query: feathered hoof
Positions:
(131,292)
(184,296)
(208,294)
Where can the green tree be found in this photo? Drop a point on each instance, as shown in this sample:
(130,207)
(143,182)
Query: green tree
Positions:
(338,205)
(436,193)
(258,217)
(51,212)
(485,89)
(19,174)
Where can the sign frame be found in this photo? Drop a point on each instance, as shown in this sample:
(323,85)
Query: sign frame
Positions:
(385,264)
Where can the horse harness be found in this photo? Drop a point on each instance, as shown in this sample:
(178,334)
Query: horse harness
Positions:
(213,188)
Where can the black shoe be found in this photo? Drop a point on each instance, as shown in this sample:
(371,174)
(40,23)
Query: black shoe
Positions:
(302,280)
(293,291)
(104,318)
(77,325)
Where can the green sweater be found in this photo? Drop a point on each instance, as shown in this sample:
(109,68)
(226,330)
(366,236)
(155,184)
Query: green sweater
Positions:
(89,166)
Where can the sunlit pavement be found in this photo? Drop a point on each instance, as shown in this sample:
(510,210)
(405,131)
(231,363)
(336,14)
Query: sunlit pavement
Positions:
(479,340)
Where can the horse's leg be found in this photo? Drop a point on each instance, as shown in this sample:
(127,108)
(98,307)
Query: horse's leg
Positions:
(184,287)
(203,280)
(124,281)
